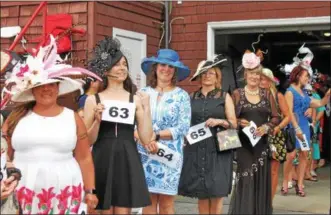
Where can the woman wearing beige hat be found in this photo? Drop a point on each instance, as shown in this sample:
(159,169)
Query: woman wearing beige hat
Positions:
(207,172)
(268,81)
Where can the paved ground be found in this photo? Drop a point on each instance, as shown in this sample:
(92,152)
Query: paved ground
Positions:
(317,200)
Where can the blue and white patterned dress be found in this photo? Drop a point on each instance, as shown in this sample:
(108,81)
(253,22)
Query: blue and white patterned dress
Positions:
(173,112)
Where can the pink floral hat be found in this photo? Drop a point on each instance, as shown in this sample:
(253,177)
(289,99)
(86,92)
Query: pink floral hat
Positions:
(47,67)
(250,60)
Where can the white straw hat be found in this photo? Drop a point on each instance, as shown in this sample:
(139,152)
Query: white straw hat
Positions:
(45,68)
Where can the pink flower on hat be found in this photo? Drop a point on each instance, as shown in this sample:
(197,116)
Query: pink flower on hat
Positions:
(250,61)
(276,80)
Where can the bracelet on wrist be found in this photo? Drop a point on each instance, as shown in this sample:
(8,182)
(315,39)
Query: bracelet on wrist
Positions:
(266,128)
(90,191)
(298,130)
(157,135)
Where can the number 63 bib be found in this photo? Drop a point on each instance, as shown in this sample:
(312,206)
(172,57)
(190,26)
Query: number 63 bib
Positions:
(117,111)
(166,156)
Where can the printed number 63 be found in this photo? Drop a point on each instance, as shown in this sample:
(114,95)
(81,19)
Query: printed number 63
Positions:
(201,132)
(113,112)
(161,153)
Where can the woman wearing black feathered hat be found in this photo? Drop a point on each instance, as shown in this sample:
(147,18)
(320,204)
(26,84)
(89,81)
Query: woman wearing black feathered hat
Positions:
(120,181)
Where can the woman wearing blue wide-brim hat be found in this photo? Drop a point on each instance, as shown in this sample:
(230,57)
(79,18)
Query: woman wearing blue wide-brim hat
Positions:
(171,116)
(167,57)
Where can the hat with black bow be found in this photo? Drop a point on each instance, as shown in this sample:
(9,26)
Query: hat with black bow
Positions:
(204,65)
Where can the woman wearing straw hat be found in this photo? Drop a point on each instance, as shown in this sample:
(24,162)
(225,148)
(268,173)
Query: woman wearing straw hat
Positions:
(48,142)
(171,116)
(119,175)
(207,172)
(268,81)
(252,191)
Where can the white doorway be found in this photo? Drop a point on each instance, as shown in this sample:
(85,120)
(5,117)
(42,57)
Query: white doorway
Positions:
(282,38)
(134,46)
(263,26)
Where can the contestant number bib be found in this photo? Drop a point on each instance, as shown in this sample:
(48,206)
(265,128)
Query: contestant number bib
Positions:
(250,132)
(121,112)
(198,133)
(303,144)
(82,210)
(166,156)
(3,165)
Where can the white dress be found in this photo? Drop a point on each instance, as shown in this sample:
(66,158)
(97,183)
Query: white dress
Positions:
(51,177)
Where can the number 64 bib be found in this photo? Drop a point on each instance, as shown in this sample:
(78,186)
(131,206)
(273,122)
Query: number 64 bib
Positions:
(117,111)
(166,156)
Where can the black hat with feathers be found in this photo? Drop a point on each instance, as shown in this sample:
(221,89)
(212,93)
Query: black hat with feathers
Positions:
(107,53)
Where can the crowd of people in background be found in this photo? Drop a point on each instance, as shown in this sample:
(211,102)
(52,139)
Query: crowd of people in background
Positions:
(139,148)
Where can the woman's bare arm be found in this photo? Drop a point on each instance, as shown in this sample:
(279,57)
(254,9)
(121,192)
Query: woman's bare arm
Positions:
(83,154)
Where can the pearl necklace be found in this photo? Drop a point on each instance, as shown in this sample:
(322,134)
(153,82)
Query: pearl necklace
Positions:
(252,93)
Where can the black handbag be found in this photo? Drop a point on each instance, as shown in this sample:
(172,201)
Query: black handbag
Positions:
(290,139)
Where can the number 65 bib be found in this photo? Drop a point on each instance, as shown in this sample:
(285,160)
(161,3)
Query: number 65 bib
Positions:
(117,111)
(197,133)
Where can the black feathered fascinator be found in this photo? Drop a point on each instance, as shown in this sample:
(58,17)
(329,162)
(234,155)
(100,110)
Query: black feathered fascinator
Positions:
(106,54)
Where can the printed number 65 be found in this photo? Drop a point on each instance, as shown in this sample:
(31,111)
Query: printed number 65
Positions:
(201,132)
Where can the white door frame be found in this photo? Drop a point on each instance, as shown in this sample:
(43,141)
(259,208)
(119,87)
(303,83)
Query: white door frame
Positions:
(133,35)
(136,36)
(264,26)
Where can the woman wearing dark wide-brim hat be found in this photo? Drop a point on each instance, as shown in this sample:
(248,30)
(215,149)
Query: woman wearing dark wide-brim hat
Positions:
(207,172)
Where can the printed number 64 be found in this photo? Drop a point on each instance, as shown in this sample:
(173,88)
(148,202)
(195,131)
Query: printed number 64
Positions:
(161,153)
(201,132)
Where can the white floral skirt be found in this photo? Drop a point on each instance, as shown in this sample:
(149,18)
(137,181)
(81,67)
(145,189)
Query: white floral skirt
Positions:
(54,186)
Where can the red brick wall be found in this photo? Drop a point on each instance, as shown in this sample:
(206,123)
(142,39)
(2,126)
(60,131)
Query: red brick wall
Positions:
(18,13)
(132,16)
(189,36)
(97,18)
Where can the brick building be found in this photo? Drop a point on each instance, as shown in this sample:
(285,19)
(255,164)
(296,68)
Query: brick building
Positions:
(228,27)
(137,23)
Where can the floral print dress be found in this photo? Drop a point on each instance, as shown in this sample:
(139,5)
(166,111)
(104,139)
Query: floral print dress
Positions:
(51,180)
(171,112)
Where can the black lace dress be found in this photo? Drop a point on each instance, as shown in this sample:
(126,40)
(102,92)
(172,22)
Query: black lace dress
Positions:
(206,172)
(252,192)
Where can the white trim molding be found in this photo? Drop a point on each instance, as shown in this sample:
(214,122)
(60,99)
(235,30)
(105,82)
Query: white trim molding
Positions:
(136,72)
(133,35)
(263,26)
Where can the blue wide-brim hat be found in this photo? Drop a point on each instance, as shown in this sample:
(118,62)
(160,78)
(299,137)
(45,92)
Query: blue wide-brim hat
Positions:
(169,57)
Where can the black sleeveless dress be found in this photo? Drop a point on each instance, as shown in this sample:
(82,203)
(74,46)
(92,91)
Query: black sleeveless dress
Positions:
(119,175)
(206,172)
